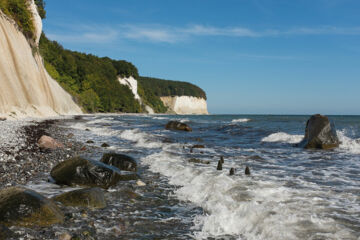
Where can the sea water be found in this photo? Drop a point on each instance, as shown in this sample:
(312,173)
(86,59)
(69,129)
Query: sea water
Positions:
(292,193)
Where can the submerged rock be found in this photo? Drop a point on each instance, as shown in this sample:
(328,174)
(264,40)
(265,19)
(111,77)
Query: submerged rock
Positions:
(6,233)
(81,171)
(320,133)
(176,125)
(23,207)
(195,160)
(88,197)
(46,142)
(121,161)
(89,141)
(105,145)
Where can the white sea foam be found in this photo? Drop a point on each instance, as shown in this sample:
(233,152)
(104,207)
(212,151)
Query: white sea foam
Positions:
(348,144)
(140,138)
(283,137)
(249,208)
(241,120)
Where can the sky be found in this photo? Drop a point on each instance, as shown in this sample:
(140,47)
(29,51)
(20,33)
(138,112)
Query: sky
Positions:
(250,56)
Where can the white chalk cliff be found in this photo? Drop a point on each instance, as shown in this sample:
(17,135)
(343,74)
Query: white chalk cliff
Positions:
(132,83)
(26,89)
(185,104)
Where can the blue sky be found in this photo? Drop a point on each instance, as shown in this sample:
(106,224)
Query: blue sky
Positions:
(254,56)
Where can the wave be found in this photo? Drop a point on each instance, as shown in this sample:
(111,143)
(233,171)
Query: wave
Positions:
(248,208)
(283,137)
(241,120)
(140,138)
(348,144)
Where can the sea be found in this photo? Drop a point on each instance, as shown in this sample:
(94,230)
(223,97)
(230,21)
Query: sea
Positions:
(291,193)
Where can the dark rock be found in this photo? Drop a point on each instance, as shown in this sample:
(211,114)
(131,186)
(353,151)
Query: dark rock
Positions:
(6,233)
(23,207)
(232,171)
(2,119)
(247,170)
(78,117)
(222,159)
(88,130)
(195,160)
(88,197)
(219,166)
(90,141)
(121,161)
(320,133)
(176,125)
(81,171)
(198,146)
(105,145)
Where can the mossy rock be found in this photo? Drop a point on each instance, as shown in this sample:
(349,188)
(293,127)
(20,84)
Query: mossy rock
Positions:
(93,198)
(23,207)
(86,172)
(120,161)
(176,125)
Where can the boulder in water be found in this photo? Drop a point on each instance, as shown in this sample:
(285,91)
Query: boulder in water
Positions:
(196,160)
(320,133)
(176,125)
(23,207)
(86,172)
(120,161)
(89,197)
(247,170)
(105,145)
(232,171)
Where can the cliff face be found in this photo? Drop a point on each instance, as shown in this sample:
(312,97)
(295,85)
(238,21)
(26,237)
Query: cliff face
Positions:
(132,83)
(185,104)
(26,89)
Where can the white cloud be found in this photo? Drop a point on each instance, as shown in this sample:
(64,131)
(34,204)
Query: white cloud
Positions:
(169,34)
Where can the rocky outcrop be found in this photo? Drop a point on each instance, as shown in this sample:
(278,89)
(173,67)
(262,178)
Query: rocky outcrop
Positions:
(185,104)
(175,125)
(320,133)
(26,88)
(23,207)
(120,161)
(86,172)
(93,198)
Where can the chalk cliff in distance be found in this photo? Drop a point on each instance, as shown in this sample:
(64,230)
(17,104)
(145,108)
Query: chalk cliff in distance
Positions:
(26,89)
(185,104)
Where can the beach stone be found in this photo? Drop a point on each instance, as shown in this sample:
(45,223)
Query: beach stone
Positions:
(87,172)
(93,198)
(176,125)
(140,183)
(195,160)
(90,141)
(46,142)
(121,161)
(247,170)
(320,133)
(24,207)
(78,117)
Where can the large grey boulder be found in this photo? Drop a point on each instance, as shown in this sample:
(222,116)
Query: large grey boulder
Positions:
(23,207)
(120,161)
(86,172)
(320,133)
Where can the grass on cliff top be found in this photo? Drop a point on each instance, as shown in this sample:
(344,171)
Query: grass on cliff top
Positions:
(18,10)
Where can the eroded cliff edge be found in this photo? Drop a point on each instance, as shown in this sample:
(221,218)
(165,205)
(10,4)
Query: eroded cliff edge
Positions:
(26,89)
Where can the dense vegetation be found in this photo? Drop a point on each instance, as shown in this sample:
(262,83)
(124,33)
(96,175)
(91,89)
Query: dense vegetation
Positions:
(18,10)
(41,8)
(160,87)
(90,79)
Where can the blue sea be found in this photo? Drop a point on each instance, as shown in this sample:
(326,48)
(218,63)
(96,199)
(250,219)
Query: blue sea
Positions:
(292,193)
